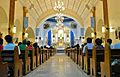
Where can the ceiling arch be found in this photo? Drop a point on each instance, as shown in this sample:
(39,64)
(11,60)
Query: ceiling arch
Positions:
(30,32)
(67,12)
(40,9)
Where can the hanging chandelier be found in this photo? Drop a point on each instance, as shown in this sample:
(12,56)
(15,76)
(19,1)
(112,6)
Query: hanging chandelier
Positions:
(59,8)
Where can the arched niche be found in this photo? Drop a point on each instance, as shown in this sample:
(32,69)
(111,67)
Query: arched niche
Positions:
(18,26)
(31,35)
(88,32)
(99,28)
(3,21)
(18,33)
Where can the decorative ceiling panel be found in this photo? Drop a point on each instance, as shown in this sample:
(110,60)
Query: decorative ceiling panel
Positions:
(43,5)
(70,4)
(53,2)
(76,5)
(38,7)
(48,4)
(65,3)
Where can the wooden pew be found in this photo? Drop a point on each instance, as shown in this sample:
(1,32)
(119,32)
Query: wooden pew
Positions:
(77,55)
(3,69)
(97,57)
(49,52)
(40,56)
(53,51)
(68,51)
(86,59)
(72,50)
(115,72)
(44,55)
(37,54)
(81,62)
(13,62)
(25,60)
(33,59)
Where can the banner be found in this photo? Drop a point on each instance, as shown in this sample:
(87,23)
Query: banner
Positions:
(82,32)
(25,22)
(92,22)
(72,38)
(49,38)
(37,31)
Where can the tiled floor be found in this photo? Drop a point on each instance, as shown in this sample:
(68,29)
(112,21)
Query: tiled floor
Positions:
(58,66)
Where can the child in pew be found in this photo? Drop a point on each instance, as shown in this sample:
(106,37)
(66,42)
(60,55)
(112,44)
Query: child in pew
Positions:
(10,45)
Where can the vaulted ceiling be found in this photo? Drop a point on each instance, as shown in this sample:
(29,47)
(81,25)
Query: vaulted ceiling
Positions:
(37,8)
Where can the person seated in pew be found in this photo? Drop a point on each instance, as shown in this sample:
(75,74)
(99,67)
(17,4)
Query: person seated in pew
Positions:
(35,45)
(45,46)
(99,45)
(19,43)
(29,47)
(109,41)
(1,47)
(10,45)
(1,44)
(23,45)
(41,47)
(89,45)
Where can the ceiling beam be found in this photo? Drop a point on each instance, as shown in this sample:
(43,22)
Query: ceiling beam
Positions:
(79,6)
(73,4)
(33,17)
(45,4)
(51,3)
(84,8)
(68,4)
(39,6)
(34,8)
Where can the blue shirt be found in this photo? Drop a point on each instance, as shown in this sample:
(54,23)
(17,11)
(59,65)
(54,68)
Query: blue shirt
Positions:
(89,46)
(117,46)
(9,46)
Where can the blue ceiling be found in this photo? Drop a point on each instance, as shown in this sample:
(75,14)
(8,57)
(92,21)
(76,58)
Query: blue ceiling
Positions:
(66,19)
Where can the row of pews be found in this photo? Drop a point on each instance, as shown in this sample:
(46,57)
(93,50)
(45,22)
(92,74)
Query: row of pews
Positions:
(13,64)
(93,61)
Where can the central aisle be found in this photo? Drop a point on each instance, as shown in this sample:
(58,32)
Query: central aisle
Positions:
(58,66)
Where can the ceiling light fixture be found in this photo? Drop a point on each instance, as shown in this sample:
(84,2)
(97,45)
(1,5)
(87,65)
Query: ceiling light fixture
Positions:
(59,7)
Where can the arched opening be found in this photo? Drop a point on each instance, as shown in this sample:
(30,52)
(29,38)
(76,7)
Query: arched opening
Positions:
(3,22)
(31,35)
(60,34)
